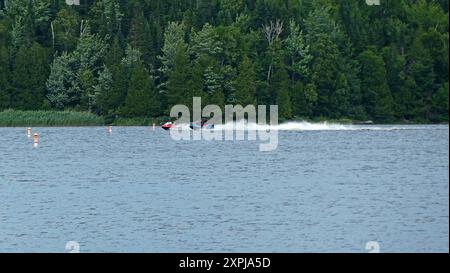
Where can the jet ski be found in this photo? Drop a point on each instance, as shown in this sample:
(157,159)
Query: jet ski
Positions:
(203,124)
(167,126)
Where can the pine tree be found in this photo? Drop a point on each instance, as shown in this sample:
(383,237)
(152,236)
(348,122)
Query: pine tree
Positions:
(178,77)
(141,100)
(304,98)
(246,83)
(29,77)
(298,51)
(65,30)
(421,71)
(101,91)
(116,95)
(440,104)
(199,48)
(137,31)
(174,45)
(213,81)
(205,42)
(61,87)
(4,79)
(86,81)
(280,86)
(107,17)
(377,96)
(90,50)
(29,18)
(397,80)
(354,24)
(324,75)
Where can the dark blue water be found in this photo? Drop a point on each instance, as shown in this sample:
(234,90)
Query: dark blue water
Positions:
(137,190)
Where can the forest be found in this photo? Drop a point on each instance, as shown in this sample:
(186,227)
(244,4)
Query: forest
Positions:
(332,59)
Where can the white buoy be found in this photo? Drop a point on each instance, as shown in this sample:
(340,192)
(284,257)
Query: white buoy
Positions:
(29,132)
(36,140)
(110,129)
(154,127)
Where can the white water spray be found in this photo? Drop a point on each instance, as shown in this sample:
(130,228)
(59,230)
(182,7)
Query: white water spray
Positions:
(310,126)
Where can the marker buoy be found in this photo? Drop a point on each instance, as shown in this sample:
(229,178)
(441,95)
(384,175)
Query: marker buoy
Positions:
(36,140)
(110,129)
(29,132)
(154,127)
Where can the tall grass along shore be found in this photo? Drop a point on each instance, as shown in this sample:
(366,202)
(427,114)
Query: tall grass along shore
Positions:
(16,118)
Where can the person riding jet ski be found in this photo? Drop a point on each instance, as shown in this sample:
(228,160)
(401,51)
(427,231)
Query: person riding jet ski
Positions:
(203,124)
(168,125)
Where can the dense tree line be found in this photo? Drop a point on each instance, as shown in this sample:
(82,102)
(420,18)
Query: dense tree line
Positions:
(314,58)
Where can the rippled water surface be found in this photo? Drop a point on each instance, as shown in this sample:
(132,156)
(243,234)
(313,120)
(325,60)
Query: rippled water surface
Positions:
(325,189)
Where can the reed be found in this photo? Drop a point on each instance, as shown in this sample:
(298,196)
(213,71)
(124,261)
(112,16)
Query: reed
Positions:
(16,118)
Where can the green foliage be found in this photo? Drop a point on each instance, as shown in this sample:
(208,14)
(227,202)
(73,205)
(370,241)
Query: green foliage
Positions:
(440,104)
(304,99)
(298,50)
(205,42)
(107,17)
(377,95)
(179,76)
(245,83)
(135,59)
(16,118)
(29,91)
(99,97)
(174,45)
(62,92)
(73,75)
(65,30)
(4,79)
(141,100)
(280,88)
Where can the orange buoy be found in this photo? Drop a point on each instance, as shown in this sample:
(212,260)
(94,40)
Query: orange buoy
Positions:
(36,140)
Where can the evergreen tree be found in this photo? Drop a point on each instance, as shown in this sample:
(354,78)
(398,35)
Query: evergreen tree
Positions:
(61,87)
(304,99)
(280,86)
(107,17)
(174,44)
(65,30)
(4,79)
(141,100)
(440,104)
(29,76)
(178,77)
(298,51)
(246,83)
(324,75)
(377,96)
(213,86)
(205,42)
(101,91)
(328,50)
(422,75)
(396,76)
(86,81)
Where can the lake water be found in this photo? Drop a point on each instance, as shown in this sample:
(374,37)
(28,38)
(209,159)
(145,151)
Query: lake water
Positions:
(327,188)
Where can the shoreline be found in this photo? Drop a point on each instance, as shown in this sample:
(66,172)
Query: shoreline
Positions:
(67,119)
(285,122)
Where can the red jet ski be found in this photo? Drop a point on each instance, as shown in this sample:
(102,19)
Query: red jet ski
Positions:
(167,126)
(203,124)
